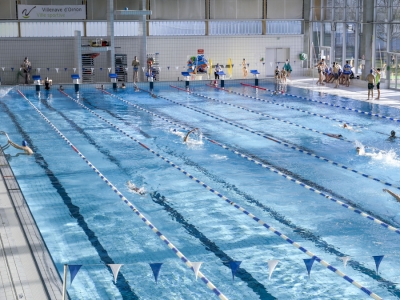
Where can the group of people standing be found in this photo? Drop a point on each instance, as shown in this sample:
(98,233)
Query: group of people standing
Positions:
(336,73)
(282,75)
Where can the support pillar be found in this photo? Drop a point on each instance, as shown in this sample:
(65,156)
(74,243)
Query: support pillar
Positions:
(368,36)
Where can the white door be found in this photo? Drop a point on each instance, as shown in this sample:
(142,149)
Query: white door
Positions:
(275,57)
(270,61)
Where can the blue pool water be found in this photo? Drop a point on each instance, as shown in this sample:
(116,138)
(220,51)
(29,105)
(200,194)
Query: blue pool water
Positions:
(83,221)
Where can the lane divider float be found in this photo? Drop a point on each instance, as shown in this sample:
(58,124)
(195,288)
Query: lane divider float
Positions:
(286,106)
(243,210)
(285,144)
(264,115)
(338,106)
(182,257)
(272,169)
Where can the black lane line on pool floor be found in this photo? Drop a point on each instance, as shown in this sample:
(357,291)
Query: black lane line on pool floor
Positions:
(359,111)
(285,106)
(282,142)
(86,102)
(257,287)
(265,115)
(304,233)
(122,284)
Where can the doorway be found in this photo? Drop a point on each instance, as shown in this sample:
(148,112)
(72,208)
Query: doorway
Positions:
(275,57)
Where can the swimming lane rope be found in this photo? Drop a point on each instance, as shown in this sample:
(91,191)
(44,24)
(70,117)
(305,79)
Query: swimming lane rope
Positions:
(243,210)
(285,144)
(357,211)
(343,107)
(283,105)
(264,115)
(187,262)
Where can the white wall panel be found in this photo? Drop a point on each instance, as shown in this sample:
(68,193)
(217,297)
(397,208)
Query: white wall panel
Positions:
(9,29)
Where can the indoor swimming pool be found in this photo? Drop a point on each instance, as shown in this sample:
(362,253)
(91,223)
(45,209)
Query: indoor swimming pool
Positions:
(266,176)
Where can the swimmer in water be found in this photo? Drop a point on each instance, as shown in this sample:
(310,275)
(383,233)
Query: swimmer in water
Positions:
(358,149)
(135,189)
(393,134)
(24,147)
(397,197)
(186,138)
(336,136)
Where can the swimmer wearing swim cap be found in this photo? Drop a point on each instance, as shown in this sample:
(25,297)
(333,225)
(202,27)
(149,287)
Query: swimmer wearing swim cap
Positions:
(24,146)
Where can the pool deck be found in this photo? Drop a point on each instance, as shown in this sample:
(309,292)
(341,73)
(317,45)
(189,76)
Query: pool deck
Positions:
(26,268)
(356,90)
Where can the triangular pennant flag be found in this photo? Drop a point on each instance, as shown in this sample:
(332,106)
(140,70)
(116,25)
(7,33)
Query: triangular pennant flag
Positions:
(48,69)
(234,267)
(378,260)
(159,68)
(233,65)
(115,269)
(264,64)
(294,61)
(65,69)
(248,65)
(156,267)
(38,70)
(270,63)
(92,69)
(109,70)
(143,68)
(309,262)
(20,69)
(271,266)
(126,69)
(176,68)
(12,69)
(196,268)
(101,69)
(167,67)
(56,70)
(73,270)
(3,68)
(345,260)
(74,70)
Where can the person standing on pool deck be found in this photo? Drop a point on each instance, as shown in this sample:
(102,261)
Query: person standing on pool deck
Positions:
(217,69)
(346,73)
(27,66)
(135,64)
(371,82)
(244,68)
(288,68)
(378,82)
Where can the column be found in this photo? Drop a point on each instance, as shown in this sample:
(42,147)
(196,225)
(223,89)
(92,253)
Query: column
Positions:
(367,36)
(110,35)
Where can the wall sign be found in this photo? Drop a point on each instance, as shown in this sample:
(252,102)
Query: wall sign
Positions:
(51,12)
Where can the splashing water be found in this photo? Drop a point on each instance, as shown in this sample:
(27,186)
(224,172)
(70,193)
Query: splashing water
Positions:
(4,91)
(389,158)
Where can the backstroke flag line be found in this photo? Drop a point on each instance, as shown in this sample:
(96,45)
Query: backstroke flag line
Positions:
(271,266)
(345,259)
(156,267)
(378,260)
(196,267)
(309,262)
(234,267)
(115,269)
(73,270)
